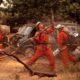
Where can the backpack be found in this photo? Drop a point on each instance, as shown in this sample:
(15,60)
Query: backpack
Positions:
(72,43)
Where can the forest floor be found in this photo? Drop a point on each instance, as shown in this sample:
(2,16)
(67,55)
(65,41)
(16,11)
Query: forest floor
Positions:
(10,69)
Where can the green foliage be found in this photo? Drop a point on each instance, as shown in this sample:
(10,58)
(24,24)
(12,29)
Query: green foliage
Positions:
(25,10)
(69,9)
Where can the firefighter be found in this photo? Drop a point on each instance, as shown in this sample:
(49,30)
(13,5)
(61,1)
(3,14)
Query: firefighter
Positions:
(3,38)
(43,46)
(5,30)
(1,45)
(63,39)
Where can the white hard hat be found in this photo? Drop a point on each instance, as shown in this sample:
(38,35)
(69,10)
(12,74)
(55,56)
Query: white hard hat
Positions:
(38,23)
(59,26)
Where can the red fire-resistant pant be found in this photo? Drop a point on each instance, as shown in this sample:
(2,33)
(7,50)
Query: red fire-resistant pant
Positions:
(66,57)
(43,50)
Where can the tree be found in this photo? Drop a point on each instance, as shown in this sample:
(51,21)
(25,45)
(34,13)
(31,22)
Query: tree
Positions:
(24,10)
(69,9)
(21,11)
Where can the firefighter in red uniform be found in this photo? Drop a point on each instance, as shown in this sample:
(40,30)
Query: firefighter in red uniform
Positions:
(3,39)
(1,45)
(43,45)
(63,39)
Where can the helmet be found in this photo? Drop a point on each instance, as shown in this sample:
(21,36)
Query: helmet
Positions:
(38,23)
(59,26)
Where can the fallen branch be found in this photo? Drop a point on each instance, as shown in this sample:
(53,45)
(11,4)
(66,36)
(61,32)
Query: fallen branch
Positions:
(30,71)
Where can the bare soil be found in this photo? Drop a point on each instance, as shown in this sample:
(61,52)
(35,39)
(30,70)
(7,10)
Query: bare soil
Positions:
(10,69)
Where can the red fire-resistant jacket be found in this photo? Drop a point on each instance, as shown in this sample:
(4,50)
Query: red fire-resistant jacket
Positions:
(44,36)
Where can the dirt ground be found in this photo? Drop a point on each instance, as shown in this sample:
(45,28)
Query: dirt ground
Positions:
(10,69)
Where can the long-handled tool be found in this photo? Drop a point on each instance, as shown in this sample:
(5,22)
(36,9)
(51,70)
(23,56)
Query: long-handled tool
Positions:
(32,72)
